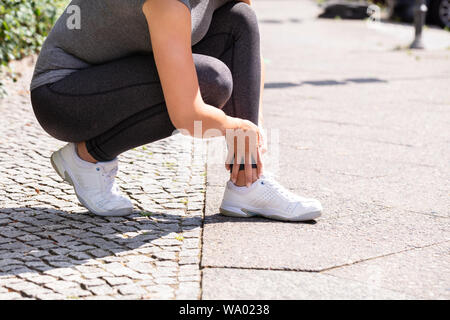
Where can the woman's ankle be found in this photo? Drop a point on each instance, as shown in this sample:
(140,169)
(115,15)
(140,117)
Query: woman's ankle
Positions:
(241,180)
(83,153)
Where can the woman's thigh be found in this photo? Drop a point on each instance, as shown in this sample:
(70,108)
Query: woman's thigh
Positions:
(95,100)
(90,101)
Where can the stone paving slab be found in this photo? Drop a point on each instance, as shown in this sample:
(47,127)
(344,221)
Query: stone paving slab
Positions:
(423,273)
(380,156)
(367,179)
(328,243)
(52,248)
(363,126)
(269,284)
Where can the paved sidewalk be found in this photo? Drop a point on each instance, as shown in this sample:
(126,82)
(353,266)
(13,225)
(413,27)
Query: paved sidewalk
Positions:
(51,248)
(363,126)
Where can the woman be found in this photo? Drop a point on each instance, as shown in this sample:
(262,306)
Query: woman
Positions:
(135,71)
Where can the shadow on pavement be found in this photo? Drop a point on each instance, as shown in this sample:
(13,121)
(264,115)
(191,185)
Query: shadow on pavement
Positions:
(39,239)
(218,218)
(278,21)
(284,85)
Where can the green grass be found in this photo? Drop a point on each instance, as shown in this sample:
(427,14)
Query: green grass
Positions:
(146,213)
(170,165)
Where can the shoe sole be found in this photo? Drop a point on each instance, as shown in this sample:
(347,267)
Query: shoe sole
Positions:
(55,157)
(243,213)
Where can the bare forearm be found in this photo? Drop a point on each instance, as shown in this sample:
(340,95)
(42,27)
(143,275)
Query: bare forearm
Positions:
(209,121)
(169,25)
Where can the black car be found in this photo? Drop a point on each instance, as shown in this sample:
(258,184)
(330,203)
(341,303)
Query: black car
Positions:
(438,11)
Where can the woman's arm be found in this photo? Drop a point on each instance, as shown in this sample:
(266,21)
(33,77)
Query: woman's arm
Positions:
(169,24)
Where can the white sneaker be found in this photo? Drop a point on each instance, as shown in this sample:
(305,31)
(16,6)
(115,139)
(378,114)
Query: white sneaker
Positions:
(93,182)
(267,198)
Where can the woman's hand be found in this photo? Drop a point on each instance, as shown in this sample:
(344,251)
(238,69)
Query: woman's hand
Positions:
(244,147)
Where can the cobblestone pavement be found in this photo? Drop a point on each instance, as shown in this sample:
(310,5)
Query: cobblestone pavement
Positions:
(52,248)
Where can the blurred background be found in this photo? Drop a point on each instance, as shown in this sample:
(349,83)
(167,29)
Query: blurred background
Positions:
(25,24)
(393,10)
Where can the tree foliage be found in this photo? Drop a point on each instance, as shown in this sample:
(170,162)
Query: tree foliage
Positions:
(24,24)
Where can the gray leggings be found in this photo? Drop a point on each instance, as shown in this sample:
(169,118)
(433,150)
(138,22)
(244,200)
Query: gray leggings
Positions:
(120,105)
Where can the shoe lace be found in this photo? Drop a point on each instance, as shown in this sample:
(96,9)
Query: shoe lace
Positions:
(109,175)
(280,189)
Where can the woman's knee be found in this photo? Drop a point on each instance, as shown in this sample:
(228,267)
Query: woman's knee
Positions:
(50,118)
(244,18)
(215,80)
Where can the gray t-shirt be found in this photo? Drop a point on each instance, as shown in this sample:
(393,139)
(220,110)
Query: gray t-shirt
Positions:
(105,30)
